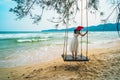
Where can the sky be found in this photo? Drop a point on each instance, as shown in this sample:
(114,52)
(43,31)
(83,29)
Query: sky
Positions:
(8,20)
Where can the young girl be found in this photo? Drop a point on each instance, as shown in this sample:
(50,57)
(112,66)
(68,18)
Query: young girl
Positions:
(74,42)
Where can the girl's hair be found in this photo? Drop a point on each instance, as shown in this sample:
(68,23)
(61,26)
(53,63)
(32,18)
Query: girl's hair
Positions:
(75,31)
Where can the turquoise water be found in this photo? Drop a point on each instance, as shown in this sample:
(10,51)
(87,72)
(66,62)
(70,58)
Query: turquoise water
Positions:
(16,48)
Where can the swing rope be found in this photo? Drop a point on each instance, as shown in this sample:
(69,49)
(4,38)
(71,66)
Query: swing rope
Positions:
(64,45)
(87,29)
(66,32)
(81,25)
(67,23)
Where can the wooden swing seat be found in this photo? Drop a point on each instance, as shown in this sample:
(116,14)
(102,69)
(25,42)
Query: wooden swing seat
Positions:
(79,58)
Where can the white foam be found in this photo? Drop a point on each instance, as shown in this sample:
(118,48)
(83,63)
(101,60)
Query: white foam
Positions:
(31,56)
(30,40)
(28,55)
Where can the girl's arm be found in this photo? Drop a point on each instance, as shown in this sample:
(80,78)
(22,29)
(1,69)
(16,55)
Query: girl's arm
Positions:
(83,34)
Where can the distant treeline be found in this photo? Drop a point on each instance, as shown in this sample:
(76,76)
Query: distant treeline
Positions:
(101,27)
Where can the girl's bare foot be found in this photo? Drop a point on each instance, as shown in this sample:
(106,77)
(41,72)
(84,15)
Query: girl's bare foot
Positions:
(75,57)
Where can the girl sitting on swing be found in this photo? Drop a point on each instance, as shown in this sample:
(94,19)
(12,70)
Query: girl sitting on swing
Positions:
(74,42)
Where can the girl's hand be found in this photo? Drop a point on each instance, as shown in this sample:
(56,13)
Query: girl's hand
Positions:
(85,33)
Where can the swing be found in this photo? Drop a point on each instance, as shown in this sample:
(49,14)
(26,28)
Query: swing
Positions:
(80,57)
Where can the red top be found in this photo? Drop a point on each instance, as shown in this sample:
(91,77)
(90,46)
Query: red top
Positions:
(79,28)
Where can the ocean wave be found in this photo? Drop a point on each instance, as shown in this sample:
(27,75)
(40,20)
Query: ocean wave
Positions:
(29,35)
(30,40)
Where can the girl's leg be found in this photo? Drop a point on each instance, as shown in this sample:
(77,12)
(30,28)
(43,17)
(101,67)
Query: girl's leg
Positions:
(73,54)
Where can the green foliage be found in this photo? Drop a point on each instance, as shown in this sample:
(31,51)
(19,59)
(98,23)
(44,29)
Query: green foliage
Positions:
(25,7)
(93,4)
(67,9)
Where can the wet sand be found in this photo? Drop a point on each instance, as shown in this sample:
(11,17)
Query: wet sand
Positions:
(104,64)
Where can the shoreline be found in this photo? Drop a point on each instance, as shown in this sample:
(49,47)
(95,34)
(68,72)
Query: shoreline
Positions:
(104,64)
(15,53)
(46,56)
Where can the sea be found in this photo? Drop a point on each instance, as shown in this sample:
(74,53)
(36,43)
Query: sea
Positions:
(22,48)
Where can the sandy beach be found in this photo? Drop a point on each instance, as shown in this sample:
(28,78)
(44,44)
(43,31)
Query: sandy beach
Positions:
(104,64)
(35,35)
